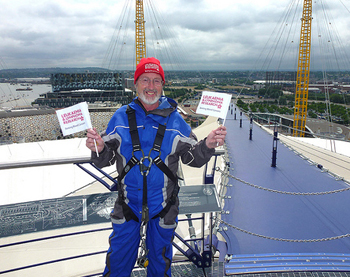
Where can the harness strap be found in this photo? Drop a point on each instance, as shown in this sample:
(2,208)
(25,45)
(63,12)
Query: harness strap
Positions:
(159,138)
(136,145)
(128,213)
(144,214)
(131,163)
(172,200)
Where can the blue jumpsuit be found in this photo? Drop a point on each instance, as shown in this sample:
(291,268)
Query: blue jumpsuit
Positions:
(179,142)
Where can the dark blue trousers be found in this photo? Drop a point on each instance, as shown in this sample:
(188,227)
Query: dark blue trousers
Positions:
(123,251)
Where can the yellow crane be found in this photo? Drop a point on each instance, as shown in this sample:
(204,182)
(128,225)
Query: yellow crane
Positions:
(140,36)
(302,82)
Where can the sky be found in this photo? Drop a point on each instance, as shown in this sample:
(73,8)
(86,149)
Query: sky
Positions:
(183,34)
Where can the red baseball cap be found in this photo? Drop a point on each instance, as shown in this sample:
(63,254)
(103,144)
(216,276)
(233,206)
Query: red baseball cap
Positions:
(148,65)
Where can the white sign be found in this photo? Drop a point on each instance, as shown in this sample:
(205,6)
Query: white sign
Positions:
(74,119)
(214,104)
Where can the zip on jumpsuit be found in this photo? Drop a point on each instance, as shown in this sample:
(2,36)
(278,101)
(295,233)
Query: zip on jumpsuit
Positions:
(178,142)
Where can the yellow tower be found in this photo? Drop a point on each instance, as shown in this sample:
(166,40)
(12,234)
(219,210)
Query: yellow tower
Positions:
(140,37)
(302,85)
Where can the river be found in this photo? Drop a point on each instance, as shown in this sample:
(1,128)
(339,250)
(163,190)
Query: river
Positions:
(11,97)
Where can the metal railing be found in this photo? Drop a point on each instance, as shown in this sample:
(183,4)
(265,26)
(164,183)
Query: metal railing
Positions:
(201,257)
(43,162)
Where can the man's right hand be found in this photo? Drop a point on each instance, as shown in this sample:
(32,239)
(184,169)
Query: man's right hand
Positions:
(91,136)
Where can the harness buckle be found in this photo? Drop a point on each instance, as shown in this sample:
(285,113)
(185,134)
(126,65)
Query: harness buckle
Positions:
(145,214)
(155,148)
(137,149)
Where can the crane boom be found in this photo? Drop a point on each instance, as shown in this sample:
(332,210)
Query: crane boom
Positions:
(140,36)
(302,84)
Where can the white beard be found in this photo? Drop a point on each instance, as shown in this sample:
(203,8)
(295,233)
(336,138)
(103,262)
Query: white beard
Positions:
(148,101)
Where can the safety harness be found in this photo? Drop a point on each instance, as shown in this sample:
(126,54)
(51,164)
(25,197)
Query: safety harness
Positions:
(144,170)
(142,259)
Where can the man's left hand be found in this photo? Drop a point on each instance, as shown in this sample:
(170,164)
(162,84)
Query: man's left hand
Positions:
(216,137)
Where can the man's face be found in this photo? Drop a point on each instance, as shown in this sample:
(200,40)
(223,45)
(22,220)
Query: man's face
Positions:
(149,87)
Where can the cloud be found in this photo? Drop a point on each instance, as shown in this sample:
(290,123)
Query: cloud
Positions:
(197,34)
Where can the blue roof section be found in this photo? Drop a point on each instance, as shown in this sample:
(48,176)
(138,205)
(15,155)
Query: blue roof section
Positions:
(273,222)
(288,262)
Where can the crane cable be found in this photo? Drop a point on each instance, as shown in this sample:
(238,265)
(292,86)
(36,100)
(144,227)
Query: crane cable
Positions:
(117,39)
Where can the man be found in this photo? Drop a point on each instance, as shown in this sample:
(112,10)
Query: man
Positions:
(146,139)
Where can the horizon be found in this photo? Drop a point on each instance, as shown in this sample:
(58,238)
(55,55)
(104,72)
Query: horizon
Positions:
(183,70)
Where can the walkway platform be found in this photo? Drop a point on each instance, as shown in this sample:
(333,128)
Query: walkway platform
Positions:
(296,207)
(188,270)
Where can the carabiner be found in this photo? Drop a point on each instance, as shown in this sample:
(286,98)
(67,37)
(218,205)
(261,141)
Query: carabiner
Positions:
(143,168)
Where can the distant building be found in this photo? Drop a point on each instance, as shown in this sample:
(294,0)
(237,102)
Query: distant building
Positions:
(195,80)
(72,88)
(39,124)
(345,88)
(316,90)
(258,86)
(129,83)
